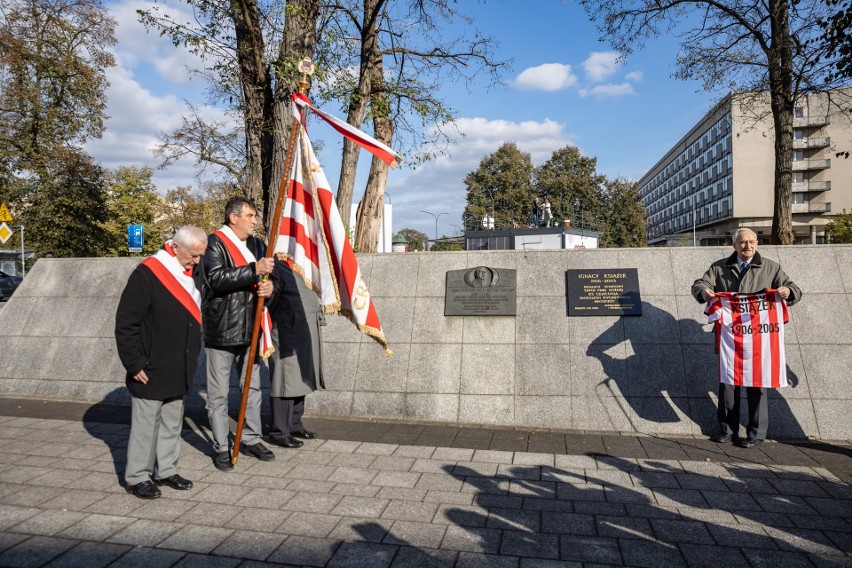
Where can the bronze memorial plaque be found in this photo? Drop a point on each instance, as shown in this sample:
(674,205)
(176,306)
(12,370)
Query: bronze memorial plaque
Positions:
(481,291)
(603,292)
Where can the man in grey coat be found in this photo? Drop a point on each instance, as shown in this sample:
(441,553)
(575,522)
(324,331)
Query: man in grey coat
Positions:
(296,365)
(745,272)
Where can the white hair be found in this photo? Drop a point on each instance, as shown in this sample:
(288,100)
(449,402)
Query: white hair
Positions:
(739,230)
(189,234)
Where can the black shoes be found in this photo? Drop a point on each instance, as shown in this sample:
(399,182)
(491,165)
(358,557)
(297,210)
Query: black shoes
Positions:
(286,442)
(722,438)
(222,461)
(258,451)
(749,443)
(175,482)
(144,490)
(305,435)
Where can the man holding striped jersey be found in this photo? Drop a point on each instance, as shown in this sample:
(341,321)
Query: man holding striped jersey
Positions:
(745,272)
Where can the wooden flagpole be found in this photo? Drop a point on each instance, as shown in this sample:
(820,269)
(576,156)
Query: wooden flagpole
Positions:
(307,68)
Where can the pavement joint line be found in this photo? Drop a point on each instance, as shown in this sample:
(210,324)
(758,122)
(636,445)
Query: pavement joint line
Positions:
(592,507)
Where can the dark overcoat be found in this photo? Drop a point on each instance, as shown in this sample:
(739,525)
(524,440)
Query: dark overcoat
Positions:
(298,320)
(155,332)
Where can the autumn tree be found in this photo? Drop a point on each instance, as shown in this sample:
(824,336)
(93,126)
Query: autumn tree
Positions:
(623,214)
(405,53)
(53,60)
(502,184)
(837,37)
(443,245)
(746,46)
(253,58)
(839,230)
(131,199)
(416,239)
(65,210)
(571,183)
(53,82)
(185,206)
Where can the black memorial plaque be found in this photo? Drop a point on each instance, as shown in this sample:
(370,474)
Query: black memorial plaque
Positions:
(603,292)
(481,291)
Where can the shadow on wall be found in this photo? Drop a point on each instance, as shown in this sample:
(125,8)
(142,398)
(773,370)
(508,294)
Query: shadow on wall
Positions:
(671,374)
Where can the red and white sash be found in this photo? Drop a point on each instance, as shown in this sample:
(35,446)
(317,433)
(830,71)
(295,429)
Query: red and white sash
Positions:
(175,279)
(242,256)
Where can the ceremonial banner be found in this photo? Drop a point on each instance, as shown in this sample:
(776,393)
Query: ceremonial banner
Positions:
(312,239)
(750,338)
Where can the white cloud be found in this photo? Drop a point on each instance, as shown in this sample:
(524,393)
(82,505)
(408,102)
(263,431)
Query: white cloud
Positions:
(137,46)
(600,65)
(634,76)
(608,91)
(136,117)
(546,77)
(136,114)
(438,185)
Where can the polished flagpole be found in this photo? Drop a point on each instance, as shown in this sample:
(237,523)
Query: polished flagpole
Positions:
(306,68)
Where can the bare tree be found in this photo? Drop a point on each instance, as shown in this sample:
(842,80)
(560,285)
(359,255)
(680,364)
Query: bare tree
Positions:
(405,54)
(736,45)
(253,69)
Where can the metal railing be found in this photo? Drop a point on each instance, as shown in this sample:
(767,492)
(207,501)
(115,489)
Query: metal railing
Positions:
(811,208)
(801,165)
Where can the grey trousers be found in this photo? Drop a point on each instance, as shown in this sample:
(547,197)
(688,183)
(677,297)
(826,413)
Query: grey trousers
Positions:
(154,446)
(758,411)
(219,365)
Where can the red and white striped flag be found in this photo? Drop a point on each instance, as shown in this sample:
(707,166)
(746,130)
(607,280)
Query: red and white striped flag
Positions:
(312,239)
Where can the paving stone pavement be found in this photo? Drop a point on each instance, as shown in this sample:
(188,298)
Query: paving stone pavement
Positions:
(371,494)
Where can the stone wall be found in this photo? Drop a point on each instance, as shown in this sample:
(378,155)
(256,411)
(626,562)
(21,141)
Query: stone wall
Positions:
(649,374)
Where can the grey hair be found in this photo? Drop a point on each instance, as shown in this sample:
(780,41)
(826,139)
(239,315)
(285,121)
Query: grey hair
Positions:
(235,205)
(739,230)
(188,234)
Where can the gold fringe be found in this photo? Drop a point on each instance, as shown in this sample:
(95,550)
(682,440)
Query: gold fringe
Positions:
(265,354)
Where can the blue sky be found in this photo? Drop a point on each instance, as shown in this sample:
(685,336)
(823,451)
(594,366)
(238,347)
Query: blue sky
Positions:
(565,88)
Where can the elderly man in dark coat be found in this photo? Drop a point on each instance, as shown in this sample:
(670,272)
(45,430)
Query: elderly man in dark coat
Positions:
(158,336)
(296,365)
(746,272)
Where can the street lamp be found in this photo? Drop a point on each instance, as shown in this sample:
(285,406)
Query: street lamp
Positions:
(436,221)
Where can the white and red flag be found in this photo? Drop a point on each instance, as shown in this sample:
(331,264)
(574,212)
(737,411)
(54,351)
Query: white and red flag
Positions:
(312,239)
(750,338)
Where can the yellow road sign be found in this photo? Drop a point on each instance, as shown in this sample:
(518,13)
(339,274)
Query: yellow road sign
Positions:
(5,216)
(5,233)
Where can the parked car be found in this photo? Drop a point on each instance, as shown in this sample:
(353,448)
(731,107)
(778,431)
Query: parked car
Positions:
(8,283)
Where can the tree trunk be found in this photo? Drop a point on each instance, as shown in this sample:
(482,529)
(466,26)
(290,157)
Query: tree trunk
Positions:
(358,106)
(368,219)
(257,91)
(299,41)
(782,103)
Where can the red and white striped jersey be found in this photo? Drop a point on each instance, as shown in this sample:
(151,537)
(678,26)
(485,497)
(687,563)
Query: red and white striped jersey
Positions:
(750,338)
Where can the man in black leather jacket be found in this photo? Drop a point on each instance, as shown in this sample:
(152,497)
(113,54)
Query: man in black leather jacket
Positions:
(233,265)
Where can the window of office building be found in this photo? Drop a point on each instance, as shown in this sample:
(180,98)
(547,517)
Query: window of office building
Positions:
(798,177)
(798,134)
(799,112)
(798,198)
(798,155)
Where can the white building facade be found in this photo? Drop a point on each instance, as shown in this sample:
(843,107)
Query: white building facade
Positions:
(720,176)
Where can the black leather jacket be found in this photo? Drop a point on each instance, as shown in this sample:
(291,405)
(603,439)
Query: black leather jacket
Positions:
(229,299)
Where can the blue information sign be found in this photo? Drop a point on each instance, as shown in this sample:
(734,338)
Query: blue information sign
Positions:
(135,238)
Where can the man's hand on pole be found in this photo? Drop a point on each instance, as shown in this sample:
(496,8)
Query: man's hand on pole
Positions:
(264,289)
(264,266)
